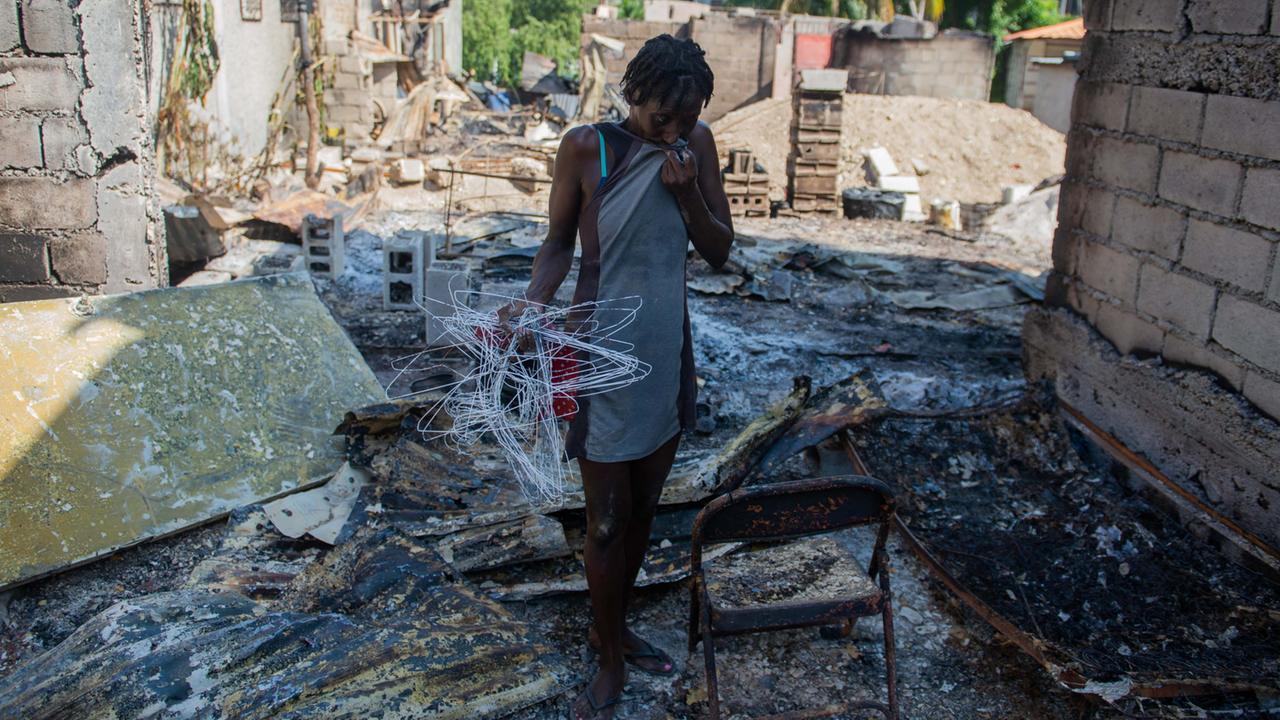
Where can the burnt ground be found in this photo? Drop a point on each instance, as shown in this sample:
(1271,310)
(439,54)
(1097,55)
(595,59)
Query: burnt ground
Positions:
(827,319)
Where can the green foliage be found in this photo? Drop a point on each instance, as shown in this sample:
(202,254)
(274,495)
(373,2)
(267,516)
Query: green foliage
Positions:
(500,31)
(631,10)
(486,38)
(1000,17)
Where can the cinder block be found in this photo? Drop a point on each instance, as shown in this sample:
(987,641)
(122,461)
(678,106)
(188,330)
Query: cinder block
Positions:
(1132,166)
(334,96)
(1153,15)
(341,114)
(49,26)
(1097,15)
(1240,17)
(80,259)
(1184,302)
(444,279)
(347,81)
(1240,258)
(9,34)
(1166,114)
(1100,104)
(47,203)
(1197,353)
(23,293)
(1128,332)
(1249,330)
(879,163)
(20,148)
(1207,184)
(1111,272)
(1260,203)
(122,219)
(1275,18)
(1098,211)
(1263,392)
(324,245)
(406,257)
(1156,230)
(23,258)
(61,136)
(1243,125)
(41,83)
(350,64)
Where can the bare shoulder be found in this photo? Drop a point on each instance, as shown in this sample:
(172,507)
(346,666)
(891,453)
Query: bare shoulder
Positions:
(577,143)
(701,138)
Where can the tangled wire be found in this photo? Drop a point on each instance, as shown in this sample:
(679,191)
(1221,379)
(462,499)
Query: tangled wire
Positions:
(527,376)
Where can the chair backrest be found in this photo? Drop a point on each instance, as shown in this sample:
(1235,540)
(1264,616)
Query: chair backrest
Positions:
(794,509)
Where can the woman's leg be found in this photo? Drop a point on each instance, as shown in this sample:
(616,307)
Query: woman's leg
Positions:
(607,487)
(648,475)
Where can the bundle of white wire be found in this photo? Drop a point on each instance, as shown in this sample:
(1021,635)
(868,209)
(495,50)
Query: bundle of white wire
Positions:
(511,387)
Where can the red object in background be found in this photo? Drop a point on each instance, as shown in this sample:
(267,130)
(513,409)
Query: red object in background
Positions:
(564,367)
(812,52)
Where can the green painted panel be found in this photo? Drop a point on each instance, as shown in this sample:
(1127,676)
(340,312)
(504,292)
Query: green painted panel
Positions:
(128,417)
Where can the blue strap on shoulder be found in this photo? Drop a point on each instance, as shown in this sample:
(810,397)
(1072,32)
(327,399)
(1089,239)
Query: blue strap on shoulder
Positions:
(604,170)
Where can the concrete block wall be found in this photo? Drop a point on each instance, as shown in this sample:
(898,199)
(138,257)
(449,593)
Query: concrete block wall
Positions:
(740,51)
(1170,220)
(76,208)
(349,79)
(1164,318)
(954,64)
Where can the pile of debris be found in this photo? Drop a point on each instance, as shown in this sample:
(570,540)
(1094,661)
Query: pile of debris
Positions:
(959,150)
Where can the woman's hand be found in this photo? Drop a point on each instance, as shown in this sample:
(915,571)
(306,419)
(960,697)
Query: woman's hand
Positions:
(512,311)
(680,173)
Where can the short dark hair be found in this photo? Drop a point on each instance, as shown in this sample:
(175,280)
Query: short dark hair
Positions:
(668,68)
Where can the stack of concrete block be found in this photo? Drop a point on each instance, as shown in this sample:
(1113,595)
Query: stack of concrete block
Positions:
(76,157)
(406,258)
(747,189)
(444,279)
(816,130)
(324,245)
(883,172)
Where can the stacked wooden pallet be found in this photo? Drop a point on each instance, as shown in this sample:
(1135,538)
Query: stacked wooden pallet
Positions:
(747,189)
(816,127)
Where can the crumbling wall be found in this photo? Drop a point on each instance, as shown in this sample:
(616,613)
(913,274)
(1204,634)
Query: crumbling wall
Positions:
(76,159)
(632,33)
(740,50)
(1167,238)
(954,64)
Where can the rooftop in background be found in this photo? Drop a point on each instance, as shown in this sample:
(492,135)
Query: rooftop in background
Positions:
(1069,30)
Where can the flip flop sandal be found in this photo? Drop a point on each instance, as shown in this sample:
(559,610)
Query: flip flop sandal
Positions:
(595,709)
(651,651)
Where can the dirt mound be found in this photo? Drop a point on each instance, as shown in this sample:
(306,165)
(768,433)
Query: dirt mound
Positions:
(969,149)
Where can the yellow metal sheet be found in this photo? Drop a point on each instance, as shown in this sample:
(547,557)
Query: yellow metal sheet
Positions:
(128,417)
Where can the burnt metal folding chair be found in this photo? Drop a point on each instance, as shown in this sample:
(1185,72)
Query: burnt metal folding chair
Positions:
(791,510)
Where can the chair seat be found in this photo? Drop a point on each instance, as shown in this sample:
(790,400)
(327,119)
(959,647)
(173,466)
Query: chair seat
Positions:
(804,582)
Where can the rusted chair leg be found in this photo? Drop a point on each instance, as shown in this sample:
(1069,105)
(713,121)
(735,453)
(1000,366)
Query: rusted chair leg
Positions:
(709,654)
(694,597)
(890,662)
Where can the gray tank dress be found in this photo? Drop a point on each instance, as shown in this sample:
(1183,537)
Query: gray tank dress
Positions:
(634,243)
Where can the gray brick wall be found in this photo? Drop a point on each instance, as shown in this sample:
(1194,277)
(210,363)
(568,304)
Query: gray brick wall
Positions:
(954,64)
(1170,222)
(74,106)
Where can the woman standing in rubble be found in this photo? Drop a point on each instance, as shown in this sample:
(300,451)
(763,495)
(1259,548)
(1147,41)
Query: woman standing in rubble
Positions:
(636,193)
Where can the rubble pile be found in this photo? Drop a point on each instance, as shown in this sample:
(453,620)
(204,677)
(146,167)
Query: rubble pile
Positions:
(960,149)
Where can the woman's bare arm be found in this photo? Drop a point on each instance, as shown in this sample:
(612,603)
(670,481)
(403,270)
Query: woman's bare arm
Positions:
(554,259)
(700,193)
